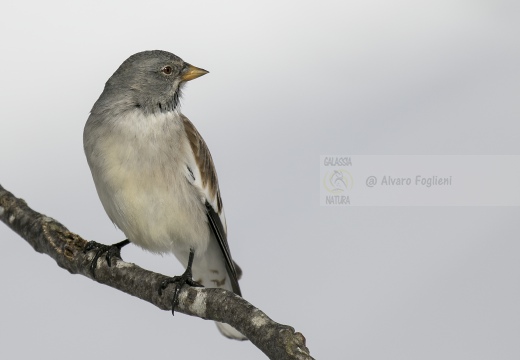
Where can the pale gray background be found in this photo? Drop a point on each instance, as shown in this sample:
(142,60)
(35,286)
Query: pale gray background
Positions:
(288,82)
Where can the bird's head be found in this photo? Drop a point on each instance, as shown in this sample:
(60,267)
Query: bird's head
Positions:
(151,81)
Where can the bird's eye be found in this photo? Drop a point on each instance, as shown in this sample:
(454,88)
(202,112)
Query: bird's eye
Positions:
(167,70)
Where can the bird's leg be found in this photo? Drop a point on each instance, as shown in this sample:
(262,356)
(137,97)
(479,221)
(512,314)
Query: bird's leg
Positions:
(180,281)
(110,250)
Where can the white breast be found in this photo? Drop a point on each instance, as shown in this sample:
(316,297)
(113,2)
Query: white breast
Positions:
(138,164)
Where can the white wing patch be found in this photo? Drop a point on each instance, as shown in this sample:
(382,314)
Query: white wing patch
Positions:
(200,170)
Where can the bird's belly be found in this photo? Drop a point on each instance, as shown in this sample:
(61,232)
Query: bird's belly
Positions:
(156,207)
(160,221)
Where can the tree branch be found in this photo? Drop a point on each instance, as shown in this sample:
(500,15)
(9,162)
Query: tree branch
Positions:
(48,236)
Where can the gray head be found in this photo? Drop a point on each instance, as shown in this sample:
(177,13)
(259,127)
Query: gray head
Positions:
(149,80)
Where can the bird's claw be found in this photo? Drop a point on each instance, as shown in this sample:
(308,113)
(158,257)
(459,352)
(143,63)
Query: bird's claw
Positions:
(110,252)
(179,281)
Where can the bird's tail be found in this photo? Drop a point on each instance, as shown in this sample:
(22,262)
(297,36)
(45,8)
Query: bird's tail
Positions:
(211,271)
(229,331)
(226,329)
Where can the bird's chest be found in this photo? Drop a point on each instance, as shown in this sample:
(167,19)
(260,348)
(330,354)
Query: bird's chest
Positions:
(143,185)
(143,154)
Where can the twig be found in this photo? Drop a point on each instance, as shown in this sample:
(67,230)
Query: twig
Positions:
(48,236)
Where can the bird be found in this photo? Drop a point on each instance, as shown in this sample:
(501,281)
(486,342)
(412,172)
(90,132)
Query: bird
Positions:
(155,176)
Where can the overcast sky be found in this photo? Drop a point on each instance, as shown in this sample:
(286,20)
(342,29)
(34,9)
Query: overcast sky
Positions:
(288,82)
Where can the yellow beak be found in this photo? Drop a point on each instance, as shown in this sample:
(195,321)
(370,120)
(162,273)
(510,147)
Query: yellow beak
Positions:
(192,73)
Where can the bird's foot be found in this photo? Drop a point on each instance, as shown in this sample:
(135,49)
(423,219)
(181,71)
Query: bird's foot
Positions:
(110,252)
(179,281)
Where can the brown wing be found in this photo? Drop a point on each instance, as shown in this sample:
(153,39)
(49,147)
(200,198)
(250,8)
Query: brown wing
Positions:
(208,183)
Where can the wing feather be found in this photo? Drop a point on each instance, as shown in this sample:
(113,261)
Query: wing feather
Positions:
(204,176)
